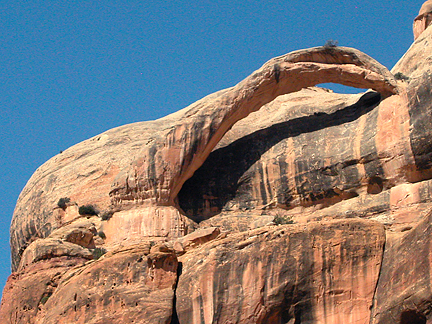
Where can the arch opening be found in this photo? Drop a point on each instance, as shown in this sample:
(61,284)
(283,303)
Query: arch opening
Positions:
(340,88)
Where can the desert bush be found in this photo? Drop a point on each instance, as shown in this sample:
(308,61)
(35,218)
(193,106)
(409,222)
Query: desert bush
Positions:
(87,210)
(331,43)
(106,215)
(401,76)
(102,235)
(98,252)
(282,220)
(62,202)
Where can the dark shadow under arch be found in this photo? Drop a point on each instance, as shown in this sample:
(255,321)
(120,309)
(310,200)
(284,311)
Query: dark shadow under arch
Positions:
(223,172)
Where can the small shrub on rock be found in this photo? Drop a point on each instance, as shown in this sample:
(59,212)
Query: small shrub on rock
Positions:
(98,252)
(88,210)
(331,43)
(62,203)
(282,220)
(102,235)
(401,76)
(107,215)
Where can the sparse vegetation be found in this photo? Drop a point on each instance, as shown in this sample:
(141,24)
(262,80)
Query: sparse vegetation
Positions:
(106,215)
(401,76)
(102,235)
(331,43)
(45,298)
(62,202)
(88,210)
(282,220)
(98,252)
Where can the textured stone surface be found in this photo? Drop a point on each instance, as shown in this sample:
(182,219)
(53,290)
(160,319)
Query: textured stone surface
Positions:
(26,292)
(317,273)
(129,286)
(424,18)
(208,184)
(197,238)
(76,239)
(50,248)
(159,156)
(404,292)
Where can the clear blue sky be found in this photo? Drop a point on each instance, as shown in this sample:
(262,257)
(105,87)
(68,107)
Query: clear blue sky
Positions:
(73,69)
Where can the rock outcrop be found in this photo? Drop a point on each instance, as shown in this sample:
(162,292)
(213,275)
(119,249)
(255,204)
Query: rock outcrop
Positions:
(273,201)
(423,20)
(161,155)
(312,273)
(132,285)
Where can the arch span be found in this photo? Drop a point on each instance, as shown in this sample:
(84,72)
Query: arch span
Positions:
(174,156)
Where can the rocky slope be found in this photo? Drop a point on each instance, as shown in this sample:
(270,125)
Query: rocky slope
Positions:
(269,202)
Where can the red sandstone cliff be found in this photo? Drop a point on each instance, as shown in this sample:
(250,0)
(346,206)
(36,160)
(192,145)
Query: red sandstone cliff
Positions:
(269,202)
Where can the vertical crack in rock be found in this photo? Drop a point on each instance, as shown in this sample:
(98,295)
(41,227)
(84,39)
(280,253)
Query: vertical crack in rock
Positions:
(175,319)
(374,300)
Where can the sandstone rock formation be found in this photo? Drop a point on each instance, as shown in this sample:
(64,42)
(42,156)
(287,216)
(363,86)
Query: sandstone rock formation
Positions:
(307,274)
(269,202)
(160,156)
(424,18)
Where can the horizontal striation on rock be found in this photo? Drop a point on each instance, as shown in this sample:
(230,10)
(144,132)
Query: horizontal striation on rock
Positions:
(319,158)
(26,292)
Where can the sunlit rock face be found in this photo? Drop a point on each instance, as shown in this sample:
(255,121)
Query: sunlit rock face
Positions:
(134,173)
(316,273)
(273,201)
(423,20)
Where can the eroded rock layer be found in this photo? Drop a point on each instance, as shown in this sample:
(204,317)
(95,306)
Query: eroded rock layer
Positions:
(318,273)
(269,202)
(160,156)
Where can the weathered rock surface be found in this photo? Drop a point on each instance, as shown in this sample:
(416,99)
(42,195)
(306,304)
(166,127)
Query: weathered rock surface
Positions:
(26,292)
(314,273)
(188,205)
(424,18)
(127,286)
(160,156)
(404,291)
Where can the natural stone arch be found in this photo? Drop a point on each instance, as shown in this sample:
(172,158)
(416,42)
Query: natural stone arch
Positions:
(136,171)
(173,157)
